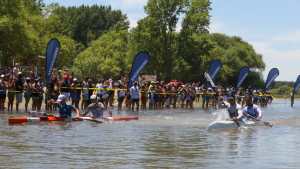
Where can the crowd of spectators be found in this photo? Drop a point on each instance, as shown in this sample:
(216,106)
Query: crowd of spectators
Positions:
(16,86)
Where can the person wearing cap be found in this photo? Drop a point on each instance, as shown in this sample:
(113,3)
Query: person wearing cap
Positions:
(65,110)
(251,111)
(95,109)
(134,96)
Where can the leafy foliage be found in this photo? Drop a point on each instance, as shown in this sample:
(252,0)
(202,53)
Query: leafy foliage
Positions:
(106,57)
(96,40)
(85,23)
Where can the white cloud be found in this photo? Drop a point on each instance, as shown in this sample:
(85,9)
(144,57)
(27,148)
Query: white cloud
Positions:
(279,51)
(286,61)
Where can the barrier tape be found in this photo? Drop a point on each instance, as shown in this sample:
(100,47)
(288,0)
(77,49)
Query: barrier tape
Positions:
(142,91)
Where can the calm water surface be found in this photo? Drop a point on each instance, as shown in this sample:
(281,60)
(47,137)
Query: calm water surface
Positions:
(166,139)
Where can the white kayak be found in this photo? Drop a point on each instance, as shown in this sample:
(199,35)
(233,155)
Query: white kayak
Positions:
(229,124)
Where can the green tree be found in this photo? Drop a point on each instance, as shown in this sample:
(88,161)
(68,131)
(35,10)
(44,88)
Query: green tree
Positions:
(19,22)
(156,34)
(84,23)
(194,42)
(235,53)
(106,57)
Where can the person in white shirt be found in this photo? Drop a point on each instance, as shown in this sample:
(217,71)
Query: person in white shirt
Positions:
(252,111)
(134,92)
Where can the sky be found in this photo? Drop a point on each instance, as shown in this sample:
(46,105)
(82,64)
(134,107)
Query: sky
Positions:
(271,26)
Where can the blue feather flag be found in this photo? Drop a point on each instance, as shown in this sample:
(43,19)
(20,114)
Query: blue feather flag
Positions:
(214,68)
(52,53)
(273,74)
(140,61)
(242,76)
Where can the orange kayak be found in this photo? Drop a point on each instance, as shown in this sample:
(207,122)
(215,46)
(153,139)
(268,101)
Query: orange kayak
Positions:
(26,119)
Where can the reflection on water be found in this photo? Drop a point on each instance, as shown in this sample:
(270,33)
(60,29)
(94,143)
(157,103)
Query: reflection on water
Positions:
(165,139)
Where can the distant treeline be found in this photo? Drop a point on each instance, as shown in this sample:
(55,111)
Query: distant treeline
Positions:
(97,41)
(283,89)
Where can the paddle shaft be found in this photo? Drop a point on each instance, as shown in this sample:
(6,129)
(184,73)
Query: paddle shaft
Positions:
(264,122)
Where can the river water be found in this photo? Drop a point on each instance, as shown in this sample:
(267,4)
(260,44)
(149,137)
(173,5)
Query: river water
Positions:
(160,139)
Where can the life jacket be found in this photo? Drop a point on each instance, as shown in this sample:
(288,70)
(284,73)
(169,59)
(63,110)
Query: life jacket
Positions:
(233,111)
(252,111)
(65,111)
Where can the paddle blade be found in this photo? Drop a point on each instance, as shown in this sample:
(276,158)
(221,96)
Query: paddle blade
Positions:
(52,52)
(214,68)
(242,76)
(273,74)
(139,62)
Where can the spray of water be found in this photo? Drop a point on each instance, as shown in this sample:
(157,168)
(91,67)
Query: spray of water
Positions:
(220,115)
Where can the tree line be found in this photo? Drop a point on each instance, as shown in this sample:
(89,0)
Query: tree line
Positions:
(96,40)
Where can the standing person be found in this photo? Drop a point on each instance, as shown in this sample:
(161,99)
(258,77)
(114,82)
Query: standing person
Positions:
(121,96)
(111,93)
(167,102)
(65,86)
(135,96)
(85,94)
(19,90)
(75,93)
(90,89)
(40,95)
(2,92)
(173,96)
(99,90)
(144,97)
(36,89)
(52,92)
(151,94)
(27,92)
(182,95)
(105,95)
(10,93)
(190,97)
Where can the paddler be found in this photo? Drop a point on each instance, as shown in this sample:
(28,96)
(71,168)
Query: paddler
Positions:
(95,109)
(65,110)
(233,110)
(252,111)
